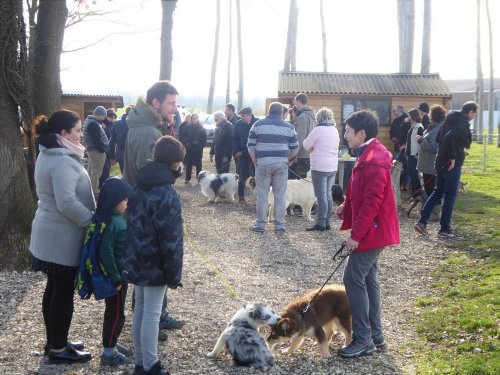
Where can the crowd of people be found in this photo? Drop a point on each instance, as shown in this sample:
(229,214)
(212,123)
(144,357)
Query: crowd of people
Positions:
(145,246)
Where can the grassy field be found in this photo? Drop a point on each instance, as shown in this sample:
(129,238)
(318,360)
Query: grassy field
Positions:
(459,322)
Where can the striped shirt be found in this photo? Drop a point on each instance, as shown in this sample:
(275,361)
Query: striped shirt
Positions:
(273,141)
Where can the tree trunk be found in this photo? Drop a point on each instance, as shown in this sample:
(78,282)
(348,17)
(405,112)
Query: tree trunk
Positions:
(166,52)
(406,27)
(323,36)
(228,87)
(425,65)
(47,59)
(210,104)
(291,39)
(240,56)
(17,205)
(477,126)
(491,102)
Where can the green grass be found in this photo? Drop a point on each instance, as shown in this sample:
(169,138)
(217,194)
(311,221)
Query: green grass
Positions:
(459,325)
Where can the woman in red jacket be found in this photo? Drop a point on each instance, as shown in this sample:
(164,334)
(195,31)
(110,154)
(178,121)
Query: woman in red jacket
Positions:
(370,212)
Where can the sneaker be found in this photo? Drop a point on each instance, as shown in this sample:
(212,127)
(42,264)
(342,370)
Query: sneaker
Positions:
(446,235)
(124,350)
(280,230)
(157,369)
(138,370)
(162,336)
(328,227)
(116,359)
(357,348)
(187,181)
(171,323)
(378,341)
(257,229)
(420,229)
(316,227)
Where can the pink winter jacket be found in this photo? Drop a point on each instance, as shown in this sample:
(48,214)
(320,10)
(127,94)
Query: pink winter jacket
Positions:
(323,143)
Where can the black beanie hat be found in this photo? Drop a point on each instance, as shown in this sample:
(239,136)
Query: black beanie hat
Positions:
(424,107)
(113,191)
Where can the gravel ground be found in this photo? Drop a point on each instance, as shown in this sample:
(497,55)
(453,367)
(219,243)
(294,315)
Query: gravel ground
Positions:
(226,264)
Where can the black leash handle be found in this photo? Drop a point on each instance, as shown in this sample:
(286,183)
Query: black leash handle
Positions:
(337,254)
(297,175)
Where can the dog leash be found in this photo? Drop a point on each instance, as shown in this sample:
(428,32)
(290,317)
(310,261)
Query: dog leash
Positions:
(343,257)
(224,166)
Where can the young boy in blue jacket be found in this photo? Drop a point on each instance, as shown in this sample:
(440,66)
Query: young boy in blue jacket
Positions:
(111,206)
(154,253)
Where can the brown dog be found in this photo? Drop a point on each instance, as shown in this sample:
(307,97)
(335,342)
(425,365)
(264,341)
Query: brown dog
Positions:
(330,310)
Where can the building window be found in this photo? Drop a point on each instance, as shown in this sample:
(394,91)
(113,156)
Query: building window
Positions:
(381,107)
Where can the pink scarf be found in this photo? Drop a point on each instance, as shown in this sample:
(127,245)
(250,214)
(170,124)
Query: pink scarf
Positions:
(78,149)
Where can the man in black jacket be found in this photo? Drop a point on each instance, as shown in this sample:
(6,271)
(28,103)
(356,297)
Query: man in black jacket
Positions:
(453,138)
(399,134)
(222,145)
(194,138)
(244,164)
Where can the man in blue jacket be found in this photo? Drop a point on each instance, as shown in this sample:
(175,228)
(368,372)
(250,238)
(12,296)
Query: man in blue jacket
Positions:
(244,165)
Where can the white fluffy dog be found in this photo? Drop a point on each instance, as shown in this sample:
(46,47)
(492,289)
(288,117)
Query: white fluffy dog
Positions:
(242,338)
(299,192)
(223,185)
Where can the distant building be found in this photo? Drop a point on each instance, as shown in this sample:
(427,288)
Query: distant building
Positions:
(345,93)
(84,104)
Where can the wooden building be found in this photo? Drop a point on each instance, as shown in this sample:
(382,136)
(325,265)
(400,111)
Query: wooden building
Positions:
(84,104)
(345,93)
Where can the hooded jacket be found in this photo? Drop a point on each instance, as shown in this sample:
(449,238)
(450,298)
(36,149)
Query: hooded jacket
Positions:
(370,209)
(154,246)
(144,129)
(223,140)
(304,125)
(240,136)
(453,138)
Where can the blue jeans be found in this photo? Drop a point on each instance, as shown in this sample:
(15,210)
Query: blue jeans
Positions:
(275,175)
(447,185)
(363,293)
(415,180)
(148,302)
(322,184)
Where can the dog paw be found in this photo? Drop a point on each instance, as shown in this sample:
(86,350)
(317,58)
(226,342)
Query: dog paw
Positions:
(325,357)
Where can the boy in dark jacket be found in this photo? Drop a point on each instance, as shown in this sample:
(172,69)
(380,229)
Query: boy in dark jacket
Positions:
(222,145)
(453,138)
(110,208)
(154,250)
(194,138)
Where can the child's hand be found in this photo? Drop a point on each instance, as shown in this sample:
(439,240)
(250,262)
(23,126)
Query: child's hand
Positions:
(340,211)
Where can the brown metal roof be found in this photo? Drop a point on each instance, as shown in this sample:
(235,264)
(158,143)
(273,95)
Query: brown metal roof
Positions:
(355,84)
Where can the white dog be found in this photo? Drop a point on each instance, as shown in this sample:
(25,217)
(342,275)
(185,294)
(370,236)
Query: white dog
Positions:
(242,338)
(299,192)
(221,185)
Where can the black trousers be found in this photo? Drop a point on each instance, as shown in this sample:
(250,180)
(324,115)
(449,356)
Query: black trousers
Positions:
(220,165)
(57,307)
(193,158)
(114,318)
(245,169)
(106,169)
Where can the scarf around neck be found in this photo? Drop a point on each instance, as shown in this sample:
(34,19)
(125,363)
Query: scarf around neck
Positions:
(78,149)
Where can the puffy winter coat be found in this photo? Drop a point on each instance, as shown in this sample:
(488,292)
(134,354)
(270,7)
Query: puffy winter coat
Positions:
(453,138)
(370,209)
(154,241)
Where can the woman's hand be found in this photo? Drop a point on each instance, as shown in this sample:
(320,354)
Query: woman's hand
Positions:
(350,244)
(339,211)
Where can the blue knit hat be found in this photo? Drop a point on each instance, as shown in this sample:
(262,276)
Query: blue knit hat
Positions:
(100,111)
(113,191)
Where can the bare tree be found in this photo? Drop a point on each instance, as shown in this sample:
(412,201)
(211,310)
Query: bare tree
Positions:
(17,205)
(48,40)
(210,104)
(166,54)
(291,38)
(406,26)
(228,87)
(240,55)
(491,102)
(323,35)
(477,126)
(425,65)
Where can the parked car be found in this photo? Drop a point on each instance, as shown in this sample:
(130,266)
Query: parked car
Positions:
(208,123)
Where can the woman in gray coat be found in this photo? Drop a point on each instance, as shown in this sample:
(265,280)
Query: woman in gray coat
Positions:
(64,210)
(429,148)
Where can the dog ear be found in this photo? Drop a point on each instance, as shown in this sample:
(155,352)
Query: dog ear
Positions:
(255,313)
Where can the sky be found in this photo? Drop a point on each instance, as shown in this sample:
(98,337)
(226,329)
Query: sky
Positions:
(362,37)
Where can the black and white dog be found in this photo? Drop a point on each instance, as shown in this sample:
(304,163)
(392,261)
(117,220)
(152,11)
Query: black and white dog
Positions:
(243,340)
(223,185)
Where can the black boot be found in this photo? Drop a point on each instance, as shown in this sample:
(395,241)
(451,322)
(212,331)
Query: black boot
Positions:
(316,227)
(157,369)
(68,356)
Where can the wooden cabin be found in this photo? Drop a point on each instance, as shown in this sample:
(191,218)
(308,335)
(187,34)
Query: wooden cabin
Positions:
(84,104)
(345,93)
